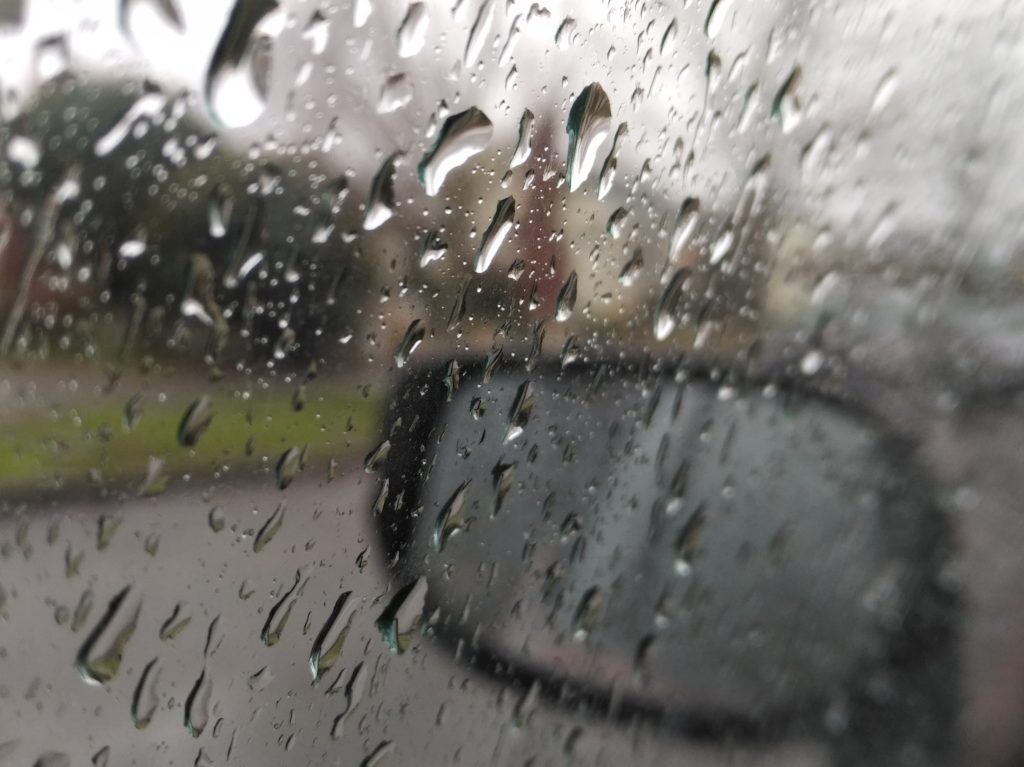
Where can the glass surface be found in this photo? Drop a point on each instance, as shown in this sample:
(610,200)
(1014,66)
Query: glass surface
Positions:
(498,382)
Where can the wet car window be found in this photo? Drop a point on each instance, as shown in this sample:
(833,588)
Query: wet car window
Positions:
(510,382)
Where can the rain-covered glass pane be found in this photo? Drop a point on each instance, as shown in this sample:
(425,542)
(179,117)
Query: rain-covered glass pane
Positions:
(500,382)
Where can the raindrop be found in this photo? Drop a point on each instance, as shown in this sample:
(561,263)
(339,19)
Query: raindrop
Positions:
(462,136)
(270,527)
(52,57)
(353,694)
(197,705)
(82,610)
(220,208)
(317,32)
(716,17)
(99,665)
(361,11)
(395,93)
(451,519)
(236,82)
(566,35)
(260,679)
(145,700)
(331,637)
(381,202)
(106,527)
(566,301)
(615,222)
(147,105)
(272,631)
(688,542)
(215,519)
(632,268)
(375,757)
(587,614)
(376,457)
(195,421)
(403,616)
(524,144)
(590,120)
(289,464)
(412,34)
(785,105)
(479,33)
(458,311)
(522,406)
(53,759)
(667,315)
(175,623)
(414,334)
(684,227)
(434,249)
(495,234)
(527,704)
(502,476)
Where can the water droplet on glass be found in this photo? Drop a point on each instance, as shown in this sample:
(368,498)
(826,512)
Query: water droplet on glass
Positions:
(616,221)
(722,246)
(215,518)
(524,144)
(236,81)
(566,35)
(317,32)
(395,93)
(717,12)
(414,334)
(522,406)
(197,705)
(412,34)
(434,249)
(479,33)
(403,616)
(272,628)
(147,105)
(785,106)
(100,655)
(52,759)
(502,476)
(631,269)
(289,464)
(381,202)
(376,457)
(195,421)
(146,700)
(270,527)
(156,477)
(52,57)
(566,301)
(667,314)
(353,694)
(590,120)
(684,227)
(175,623)
(462,136)
(451,519)
(458,311)
(377,756)
(361,11)
(82,610)
(331,638)
(689,541)
(588,613)
(495,234)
